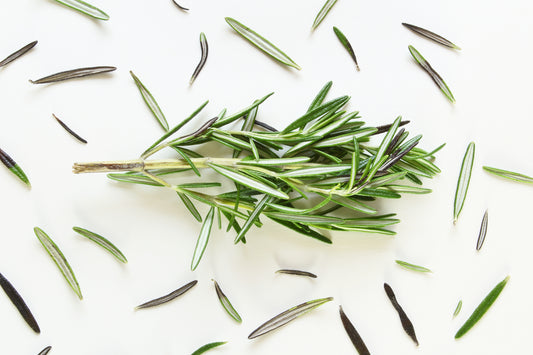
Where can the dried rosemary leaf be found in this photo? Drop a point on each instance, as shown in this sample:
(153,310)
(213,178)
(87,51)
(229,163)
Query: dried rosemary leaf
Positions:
(458,308)
(509,175)
(406,322)
(59,259)
(71,132)
(482,230)
(262,43)
(13,167)
(203,239)
(346,44)
(150,102)
(18,301)
(287,316)
(73,74)
(207,347)
(17,54)
(179,6)
(167,298)
(205,49)
(356,339)
(224,301)
(296,272)
(432,73)
(103,242)
(432,36)
(413,267)
(45,350)
(85,8)
(464,180)
(482,308)
(323,12)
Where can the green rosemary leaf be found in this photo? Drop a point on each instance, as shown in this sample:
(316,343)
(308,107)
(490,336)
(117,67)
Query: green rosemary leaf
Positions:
(14,167)
(296,272)
(287,316)
(45,350)
(167,298)
(17,54)
(509,175)
(302,229)
(432,36)
(151,102)
(134,179)
(203,238)
(355,164)
(430,154)
(288,209)
(190,206)
(19,303)
(319,170)
(464,180)
(432,73)
(323,12)
(405,189)
(199,185)
(352,204)
(226,304)
(247,181)
(324,108)
(173,130)
(385,143)
(371,222)
(226,120)
(345,138)
(85,8)
(319,98)
(305,219)
(253,217)
(482,308)
(384,180)
(412,267)
(73,74)
(203,59)
(187,159)
(276,162)
(262,43)
(379,192)
(209,346)
(103,242)
(346,44)
(458,308)
(59,259)
(482,230)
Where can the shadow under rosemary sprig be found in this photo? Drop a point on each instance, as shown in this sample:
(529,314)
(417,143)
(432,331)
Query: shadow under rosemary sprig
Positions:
(324,158)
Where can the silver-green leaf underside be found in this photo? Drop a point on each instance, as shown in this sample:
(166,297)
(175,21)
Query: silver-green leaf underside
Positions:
(506,174)
(85,8)
(323,12)
(464,180)
(412,267)
(103,242)
(151,102)
(203,239)
(226,304)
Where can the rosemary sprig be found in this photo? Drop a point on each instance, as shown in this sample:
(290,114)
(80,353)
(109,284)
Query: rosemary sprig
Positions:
(346,44)
(17,54)
(14,167)
(262,43)
(431,35)
(85,8)
(464,180)
(482,308)
(323,12)
(205,49)
(298,177)
(506,174)
(150,102)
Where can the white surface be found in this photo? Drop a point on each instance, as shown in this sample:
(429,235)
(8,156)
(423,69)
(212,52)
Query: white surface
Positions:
(490,79)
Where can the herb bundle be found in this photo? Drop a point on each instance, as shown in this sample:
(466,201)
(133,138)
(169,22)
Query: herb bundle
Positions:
(323,160)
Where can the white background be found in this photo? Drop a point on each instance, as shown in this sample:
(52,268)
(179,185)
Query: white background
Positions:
(490,79)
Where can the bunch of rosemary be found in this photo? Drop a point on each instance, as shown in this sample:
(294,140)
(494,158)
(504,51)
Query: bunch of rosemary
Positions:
(323,159)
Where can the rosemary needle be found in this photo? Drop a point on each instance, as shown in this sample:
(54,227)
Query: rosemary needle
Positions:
(458,308)
(463,181)
(45,350)
(18,301)
(413,267)
(167,298)
(103,242)
(296,272)
(85,8)
(406,322)
(226,304)
(179,6)
(205,49)
(432,36)
(506,174)
(346,44)
(14,167)
(67,128)
(17,54)
(356,339)
(482,230)
(150,102)
(73,74)
(207,347)
(323,12)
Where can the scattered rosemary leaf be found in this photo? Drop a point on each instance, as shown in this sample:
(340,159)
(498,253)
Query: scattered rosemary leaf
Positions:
(179,6)
(406,322)
(207,347)
(509,175)
(45,350)
(17,54)
(71,132)
(482,230)
(287,316)
(203,59)
(18,301)
(262,43)
(458,308)
(432,73)
(346,44)
(73,74)
(413,267)
(85,8)
(323,12)
(203,238)
(482,308)
(296,272)
(224,301)
(464,180)
(432,36)
(356,339)
(167,298)
(103,242)
(59,259)
(13,167)
(150,102)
